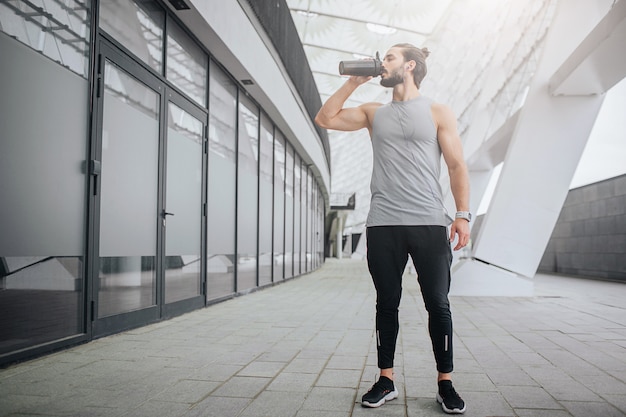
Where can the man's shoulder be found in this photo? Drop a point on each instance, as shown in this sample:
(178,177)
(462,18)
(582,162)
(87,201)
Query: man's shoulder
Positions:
(441,111)
(370,108)
(371,105)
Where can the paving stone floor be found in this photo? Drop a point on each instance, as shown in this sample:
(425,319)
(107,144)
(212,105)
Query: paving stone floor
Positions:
(306,348)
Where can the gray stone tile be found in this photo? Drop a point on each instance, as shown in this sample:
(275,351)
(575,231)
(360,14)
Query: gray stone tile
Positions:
(330,399)
(339,378)
(310,366)
(618,401)
(560,354)
(480,404)
(242,387)
(158,409)
(529,397)
(275,404)
(586,409)
(17,403)
(338,361)
(293,382)
(218,407)
(187,391)
(602,384)
(318,413)
(263,369)
(464,381)
(215,372)
(533,412)
(511,376)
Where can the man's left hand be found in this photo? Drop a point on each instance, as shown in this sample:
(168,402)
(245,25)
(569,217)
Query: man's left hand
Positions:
(461,228)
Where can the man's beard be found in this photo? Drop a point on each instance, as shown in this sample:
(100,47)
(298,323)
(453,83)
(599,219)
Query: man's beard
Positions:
(392,80)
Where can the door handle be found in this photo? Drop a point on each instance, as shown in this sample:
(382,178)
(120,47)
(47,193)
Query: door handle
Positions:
(164,214)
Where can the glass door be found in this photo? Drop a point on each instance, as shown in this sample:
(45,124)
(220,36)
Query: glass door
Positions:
(183,212)
(129,118)
(150,167)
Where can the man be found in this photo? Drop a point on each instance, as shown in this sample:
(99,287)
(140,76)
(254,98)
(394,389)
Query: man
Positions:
(407,214)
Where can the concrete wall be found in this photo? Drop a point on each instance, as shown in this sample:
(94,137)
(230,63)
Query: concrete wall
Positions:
(589,238)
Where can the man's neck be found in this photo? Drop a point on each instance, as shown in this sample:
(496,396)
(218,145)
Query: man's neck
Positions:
(405,91)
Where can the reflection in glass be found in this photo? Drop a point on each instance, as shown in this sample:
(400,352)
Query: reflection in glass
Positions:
(221,184)
(42,194)
(266,169)
(279,206)
(297,214)
(289,212)
(247,194)
(138,26)
(183,198)
(128,215)
(40,300)
(58,30)
(321,215)
(186,64)
(305,252)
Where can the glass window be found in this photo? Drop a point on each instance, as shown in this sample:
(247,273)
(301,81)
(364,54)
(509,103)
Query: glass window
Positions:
(59,30)
(289,211)
(129,189)
(309,219)
(42,191)
(297,214)
(186,64)
(183,198)
(266,171)
(247,194)
(279,206)
(313,237)
(321,239)
(221,184)
(138,26)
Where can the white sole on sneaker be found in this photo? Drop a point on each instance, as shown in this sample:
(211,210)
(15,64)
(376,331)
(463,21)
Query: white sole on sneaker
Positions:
(391,396)
(448,410)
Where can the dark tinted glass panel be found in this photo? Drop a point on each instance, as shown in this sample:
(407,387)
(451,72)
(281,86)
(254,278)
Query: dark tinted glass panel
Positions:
(289,197)
(266,169)
(43,147)
(221,184)
(247,194)
(297,214)
(279,206)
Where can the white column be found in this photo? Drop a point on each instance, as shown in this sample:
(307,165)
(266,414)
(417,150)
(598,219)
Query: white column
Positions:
(339,237)
(545,148)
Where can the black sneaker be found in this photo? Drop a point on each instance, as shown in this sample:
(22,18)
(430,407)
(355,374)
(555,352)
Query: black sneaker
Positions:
(381,391)
(450,401)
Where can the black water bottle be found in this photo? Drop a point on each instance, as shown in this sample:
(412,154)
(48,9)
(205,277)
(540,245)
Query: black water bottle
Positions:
(368,67)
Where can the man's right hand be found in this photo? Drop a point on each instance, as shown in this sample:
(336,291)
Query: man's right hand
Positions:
(360,79)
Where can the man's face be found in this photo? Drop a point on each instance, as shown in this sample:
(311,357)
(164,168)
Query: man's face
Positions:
(393,69)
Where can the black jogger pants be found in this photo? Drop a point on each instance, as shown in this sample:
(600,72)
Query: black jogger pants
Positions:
(388,248)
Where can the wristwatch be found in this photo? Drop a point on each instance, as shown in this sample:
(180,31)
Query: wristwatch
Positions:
(464,215)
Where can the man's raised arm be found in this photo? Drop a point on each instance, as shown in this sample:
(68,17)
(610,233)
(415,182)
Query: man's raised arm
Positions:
(333,116)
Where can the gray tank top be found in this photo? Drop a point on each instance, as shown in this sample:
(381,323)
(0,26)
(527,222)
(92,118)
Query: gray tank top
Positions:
(407,161)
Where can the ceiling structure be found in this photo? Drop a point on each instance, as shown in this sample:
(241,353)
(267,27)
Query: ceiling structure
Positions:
(483,54)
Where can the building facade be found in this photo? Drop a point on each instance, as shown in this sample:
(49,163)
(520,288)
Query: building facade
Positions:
(151,163)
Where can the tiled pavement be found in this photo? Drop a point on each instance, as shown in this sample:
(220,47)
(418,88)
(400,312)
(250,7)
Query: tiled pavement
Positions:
(306,349)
